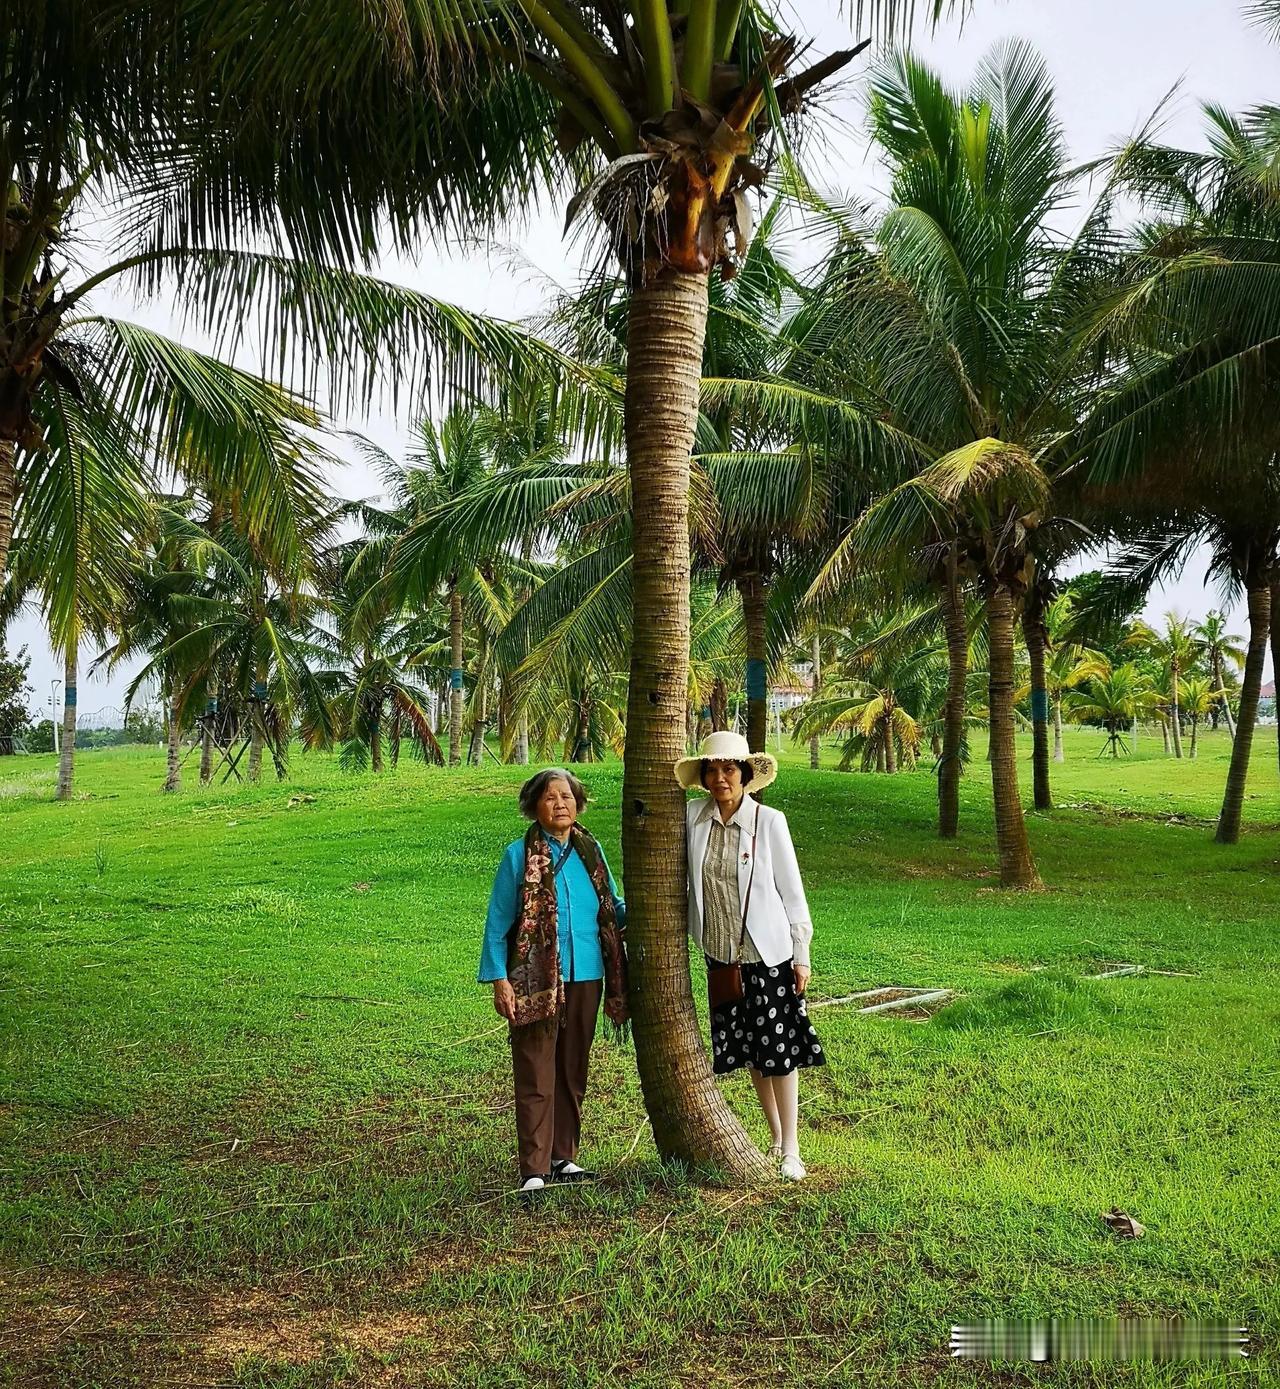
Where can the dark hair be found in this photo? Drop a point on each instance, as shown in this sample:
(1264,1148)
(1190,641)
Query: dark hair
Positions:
(532,791)
(747,770)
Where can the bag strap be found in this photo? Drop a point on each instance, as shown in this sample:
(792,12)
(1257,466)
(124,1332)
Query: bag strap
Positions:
(755,830)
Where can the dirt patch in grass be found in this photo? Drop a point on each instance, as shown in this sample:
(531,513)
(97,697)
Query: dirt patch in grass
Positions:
(156,1326)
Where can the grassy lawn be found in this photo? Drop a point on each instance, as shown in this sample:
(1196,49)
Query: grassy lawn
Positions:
(257,1128)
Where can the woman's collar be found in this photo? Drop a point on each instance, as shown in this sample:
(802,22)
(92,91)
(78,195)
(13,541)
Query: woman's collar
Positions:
(740,817)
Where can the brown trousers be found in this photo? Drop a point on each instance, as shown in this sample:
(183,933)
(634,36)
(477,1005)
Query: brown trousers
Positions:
(550,1068)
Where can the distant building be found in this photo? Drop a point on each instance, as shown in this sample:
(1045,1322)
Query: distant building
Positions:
(1267,703)
(787,696)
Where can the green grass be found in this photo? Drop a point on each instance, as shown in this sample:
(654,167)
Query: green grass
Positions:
(257,1128)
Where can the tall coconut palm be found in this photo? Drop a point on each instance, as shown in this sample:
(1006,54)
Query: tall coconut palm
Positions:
(146,623)
(79,530)
(460,117)
(950,331)
(375,646)
(433,549)
(1113,699)
(1197,700)
(257,642)
(1195,437)
(1177,648)
(1222,652)
(1070,662)
(880,695)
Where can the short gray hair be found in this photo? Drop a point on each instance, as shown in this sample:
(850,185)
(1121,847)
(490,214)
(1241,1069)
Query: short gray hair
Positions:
(532,791)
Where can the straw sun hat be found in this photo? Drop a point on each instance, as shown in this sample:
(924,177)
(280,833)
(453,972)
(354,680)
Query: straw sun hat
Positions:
(726,747)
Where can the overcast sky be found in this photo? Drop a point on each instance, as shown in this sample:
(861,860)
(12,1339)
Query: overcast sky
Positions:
(1113,61)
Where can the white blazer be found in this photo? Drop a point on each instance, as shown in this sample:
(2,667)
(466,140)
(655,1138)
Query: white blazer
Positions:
(777,914)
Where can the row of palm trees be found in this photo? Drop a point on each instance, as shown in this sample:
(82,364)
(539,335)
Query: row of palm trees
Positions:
(884,693)
(957,404)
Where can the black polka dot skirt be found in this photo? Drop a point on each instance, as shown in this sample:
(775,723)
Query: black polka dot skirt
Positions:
(768,1028)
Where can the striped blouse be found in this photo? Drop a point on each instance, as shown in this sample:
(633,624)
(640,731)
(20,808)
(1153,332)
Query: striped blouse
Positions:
(722,911)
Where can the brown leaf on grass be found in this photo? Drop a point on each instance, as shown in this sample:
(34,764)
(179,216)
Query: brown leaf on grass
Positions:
(1123,1224)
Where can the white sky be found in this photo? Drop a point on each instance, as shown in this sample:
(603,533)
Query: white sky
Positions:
(1113,62)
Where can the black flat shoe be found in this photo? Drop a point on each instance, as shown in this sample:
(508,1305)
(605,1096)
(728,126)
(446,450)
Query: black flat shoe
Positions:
(531,1188)
(563,1170)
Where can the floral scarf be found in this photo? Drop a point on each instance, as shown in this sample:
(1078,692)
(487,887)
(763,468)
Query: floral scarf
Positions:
(534,959)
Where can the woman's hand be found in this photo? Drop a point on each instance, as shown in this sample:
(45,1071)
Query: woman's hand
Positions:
(802,973)
(504,999)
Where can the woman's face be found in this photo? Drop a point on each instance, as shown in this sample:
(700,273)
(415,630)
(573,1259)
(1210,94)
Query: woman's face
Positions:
(724,780)
(557,809)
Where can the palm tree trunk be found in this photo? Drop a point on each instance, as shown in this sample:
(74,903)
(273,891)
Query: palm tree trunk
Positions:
(206,751)
(890,751)
(880,757)
(67,757)
(475,750)
(395,738)
(8,484)
(815,743)
(1164,733)
(949,764)
(257,740)
(582,735)
(1017,868)
(690,1118)
(1224,702)
(751,587)
(1033,631)
(1275,658)
(521,749)
(375,745)
(719,706)
(258,725)
(484,687)
(1175,714)
(173,769)
(455,675)
(1058,754)
(1195,729)
(1250,686)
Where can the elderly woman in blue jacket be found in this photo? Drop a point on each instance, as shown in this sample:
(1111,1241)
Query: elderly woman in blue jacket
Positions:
(747,908)
(552,950)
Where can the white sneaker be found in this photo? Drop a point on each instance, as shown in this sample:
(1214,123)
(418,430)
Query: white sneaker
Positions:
(531,1184)
(792,1169)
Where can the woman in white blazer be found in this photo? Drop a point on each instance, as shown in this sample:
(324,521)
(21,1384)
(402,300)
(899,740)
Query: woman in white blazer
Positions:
(747,907)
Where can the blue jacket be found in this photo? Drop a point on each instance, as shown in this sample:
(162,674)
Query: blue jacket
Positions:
(577,908)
